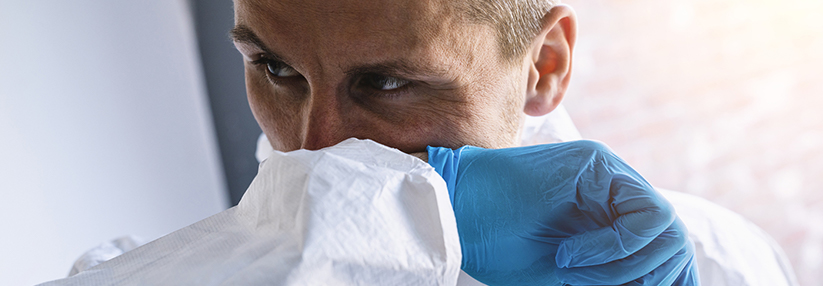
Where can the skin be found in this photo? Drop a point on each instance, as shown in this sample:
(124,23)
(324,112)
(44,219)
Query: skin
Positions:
(404,73)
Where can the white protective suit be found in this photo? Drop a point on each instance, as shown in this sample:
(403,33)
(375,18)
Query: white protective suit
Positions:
(357,213)
(397,229)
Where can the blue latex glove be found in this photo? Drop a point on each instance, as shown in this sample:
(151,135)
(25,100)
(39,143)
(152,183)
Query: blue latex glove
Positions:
(570,212)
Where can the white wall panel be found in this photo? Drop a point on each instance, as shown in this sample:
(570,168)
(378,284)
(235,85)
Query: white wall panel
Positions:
(104,130)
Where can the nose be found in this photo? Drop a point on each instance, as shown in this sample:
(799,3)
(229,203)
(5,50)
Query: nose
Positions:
(324,126)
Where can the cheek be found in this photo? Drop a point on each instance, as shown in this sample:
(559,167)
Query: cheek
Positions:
(279,114)
(479,115)
(408,127)
(496,114)
(442,121)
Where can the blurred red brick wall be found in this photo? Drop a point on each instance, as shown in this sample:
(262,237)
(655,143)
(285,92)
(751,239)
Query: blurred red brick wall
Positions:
(721,98)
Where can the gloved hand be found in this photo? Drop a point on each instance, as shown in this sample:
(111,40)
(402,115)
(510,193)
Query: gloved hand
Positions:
(569,212)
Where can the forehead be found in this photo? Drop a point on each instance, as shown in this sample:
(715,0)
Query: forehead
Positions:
(357,30)
(343,14)
(344,17)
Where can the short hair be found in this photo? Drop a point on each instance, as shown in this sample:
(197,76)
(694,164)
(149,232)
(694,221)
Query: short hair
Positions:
(517,22)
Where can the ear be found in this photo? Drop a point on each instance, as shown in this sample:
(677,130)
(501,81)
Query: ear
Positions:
(550,60)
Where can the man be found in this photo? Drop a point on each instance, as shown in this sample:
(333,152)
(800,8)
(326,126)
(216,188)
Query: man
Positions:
(406,74)
(410,74)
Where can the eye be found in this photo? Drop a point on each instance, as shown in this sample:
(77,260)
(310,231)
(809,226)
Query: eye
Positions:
(279,69)
(276,68)
(380,82)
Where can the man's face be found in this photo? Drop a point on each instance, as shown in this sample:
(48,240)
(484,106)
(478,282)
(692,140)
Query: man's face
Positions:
(405,73)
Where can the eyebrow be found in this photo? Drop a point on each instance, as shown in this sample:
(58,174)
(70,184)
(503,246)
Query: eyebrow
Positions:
(244,34)
(398,68)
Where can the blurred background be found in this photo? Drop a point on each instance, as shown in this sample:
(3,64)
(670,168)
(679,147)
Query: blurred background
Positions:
(107,126)
(130,117)
(718,98)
